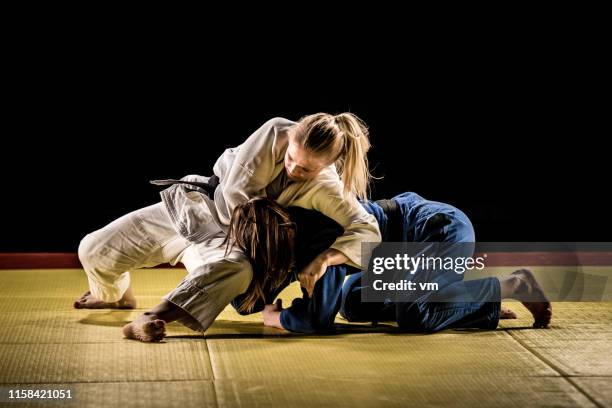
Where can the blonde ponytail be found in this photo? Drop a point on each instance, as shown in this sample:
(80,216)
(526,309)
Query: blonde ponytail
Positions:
(353,167)
(344,139)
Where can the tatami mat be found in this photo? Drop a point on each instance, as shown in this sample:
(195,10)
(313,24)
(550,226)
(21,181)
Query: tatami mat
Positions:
(574,357)
(360,356)
(171,394)
(78,326)
(598,388)
(239,362)
(71,282)
(412,390)
(563,283)
(98,362)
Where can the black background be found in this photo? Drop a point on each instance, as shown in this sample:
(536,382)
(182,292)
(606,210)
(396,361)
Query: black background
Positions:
(510,137)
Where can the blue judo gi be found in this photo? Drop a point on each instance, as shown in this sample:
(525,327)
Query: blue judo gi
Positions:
(405,218)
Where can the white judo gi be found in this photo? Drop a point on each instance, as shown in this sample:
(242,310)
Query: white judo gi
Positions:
(188,227)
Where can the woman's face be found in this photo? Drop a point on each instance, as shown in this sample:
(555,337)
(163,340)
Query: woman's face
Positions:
(300,164)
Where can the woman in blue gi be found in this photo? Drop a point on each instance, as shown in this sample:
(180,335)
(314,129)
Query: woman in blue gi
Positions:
(406,218)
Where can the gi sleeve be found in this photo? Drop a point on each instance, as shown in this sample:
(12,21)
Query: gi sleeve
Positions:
(359,226)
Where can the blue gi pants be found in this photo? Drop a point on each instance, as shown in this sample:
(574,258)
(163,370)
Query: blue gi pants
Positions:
(428,221)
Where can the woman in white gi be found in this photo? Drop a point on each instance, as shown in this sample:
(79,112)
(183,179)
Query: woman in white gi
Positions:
(318,163)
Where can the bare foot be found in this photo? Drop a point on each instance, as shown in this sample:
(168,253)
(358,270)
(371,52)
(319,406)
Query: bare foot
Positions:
(531,295)
(145,328)
(505,313)
(88,301)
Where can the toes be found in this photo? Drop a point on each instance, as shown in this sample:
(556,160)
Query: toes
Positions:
(153,331)
(77,304)
(541,325)
(525,272)
(158,337)
(145,338)
(147,332)
(150,325)
(542,321)
(160,325)
(156,326)
(160,330)
(131,331)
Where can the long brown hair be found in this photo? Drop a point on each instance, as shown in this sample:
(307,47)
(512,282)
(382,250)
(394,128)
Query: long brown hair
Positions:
(263,230)
(344,139)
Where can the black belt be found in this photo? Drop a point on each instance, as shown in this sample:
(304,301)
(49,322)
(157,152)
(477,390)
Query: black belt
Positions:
(395,220)
(209,187)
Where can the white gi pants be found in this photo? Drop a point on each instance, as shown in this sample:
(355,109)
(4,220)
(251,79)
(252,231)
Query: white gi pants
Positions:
(147,237)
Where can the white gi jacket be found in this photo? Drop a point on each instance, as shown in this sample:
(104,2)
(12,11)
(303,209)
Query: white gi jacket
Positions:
(255,169)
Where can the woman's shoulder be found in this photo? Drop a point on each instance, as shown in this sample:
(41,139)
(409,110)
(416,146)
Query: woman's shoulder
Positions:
(269,138)
(328,182)
(270,130)
(279,122)
(278,133)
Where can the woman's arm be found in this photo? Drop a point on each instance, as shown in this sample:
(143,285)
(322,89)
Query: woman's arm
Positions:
(359,226)
(315,270)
